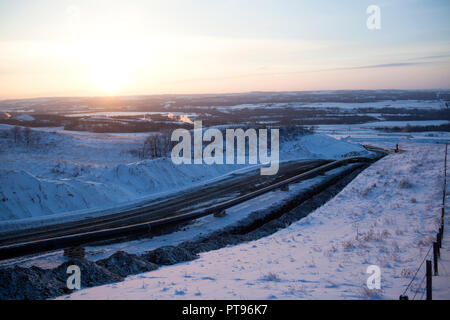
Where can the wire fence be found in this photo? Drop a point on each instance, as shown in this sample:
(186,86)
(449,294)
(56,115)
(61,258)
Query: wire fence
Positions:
(424,287)
(410,288)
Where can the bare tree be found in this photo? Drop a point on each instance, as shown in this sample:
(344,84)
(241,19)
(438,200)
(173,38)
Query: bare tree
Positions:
(16,133)
(27,136)
(156,146)
(150,148)
(37,139)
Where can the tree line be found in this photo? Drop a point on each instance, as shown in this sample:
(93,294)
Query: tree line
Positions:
(25,136)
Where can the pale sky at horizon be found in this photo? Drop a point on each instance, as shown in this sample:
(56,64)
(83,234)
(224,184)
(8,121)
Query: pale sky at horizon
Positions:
(99,47)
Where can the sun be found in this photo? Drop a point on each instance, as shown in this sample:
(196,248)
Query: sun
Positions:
(108,80)
(111,65)
(110,72)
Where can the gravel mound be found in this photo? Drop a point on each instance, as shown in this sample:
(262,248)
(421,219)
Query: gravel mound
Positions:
(37,284)
(169,255)
(125,264)
(92,274)
(29,284)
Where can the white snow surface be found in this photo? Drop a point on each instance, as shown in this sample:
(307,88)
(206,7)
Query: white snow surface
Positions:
(71,172)
(388,216)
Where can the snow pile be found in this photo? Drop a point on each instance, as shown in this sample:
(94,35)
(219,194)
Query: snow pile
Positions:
(25,117)
(158,175)
(387,216)
(326,147)
(23,195)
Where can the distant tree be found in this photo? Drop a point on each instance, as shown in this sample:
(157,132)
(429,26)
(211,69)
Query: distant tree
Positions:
(37,139)
(15,131)
(156,146)
(312,129)
(27,136)
(151,146)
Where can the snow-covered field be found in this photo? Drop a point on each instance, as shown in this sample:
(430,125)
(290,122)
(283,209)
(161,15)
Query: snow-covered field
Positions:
(387,217)
(406,104)
(68,172)
(365,133)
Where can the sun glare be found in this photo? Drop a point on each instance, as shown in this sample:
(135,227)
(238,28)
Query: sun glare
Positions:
(111,64)
(108,80)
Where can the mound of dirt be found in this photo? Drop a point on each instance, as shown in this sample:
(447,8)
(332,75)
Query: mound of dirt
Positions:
(125,264)
(29,284)
(169,255)
(92,274)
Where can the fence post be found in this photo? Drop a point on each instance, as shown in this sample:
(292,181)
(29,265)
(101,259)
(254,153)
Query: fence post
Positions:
(445,168)
(435,258)
(439,240)
(429,277)
(445,175)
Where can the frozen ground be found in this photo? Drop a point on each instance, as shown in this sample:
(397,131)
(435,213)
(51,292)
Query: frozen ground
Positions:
(67,172)
(387,216)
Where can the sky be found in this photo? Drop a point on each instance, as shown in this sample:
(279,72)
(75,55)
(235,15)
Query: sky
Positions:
(130,47)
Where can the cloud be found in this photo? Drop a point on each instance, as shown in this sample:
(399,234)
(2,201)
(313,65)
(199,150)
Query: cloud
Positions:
(417,61)
(386,65)
(447,55)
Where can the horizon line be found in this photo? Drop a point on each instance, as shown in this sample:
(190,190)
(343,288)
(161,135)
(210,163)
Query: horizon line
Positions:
(215,93)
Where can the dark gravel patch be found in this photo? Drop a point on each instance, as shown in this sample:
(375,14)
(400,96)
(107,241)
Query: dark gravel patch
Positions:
(92,274)
(169,255)
(29,284)
(125,264)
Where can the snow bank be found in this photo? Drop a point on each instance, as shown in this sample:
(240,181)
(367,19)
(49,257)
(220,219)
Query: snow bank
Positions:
(23,195)
(25,117)
(322,146)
